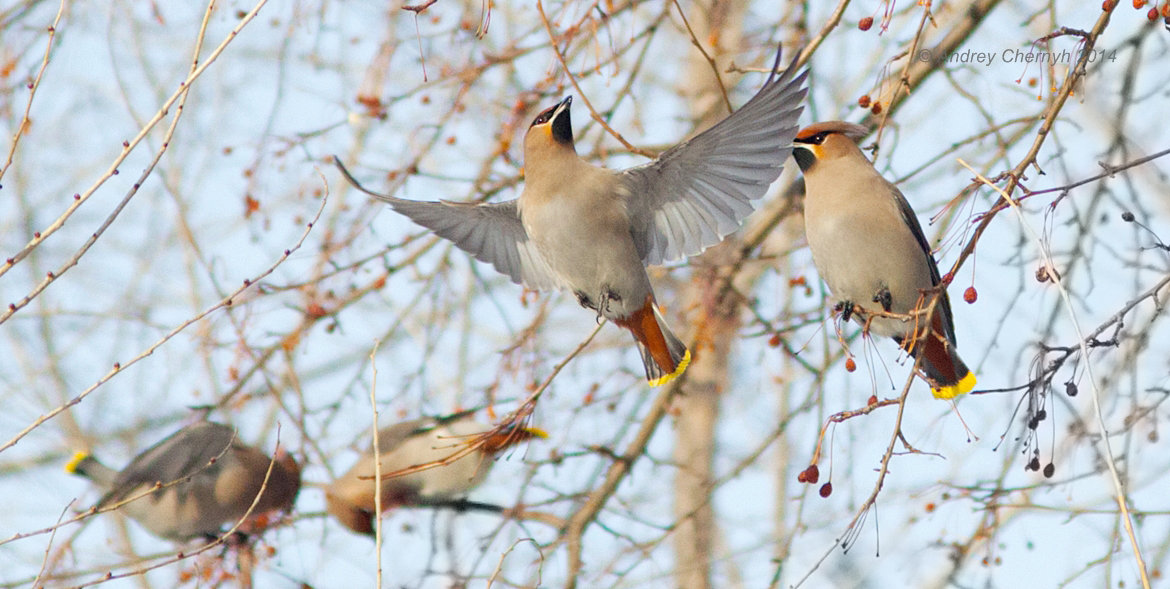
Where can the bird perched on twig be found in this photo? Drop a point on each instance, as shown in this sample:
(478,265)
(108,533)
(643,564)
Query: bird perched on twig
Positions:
(869,248)
(592,231)
(433,461)
(204,478)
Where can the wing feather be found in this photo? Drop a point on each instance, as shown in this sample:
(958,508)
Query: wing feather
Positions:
(697,192)
(492,233)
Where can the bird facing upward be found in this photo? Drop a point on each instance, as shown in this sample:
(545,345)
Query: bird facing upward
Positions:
(593,231)
(868,247)
(207,477)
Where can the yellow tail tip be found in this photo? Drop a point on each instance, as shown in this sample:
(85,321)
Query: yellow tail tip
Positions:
(681,368)
(71,466)
(964,386)
(536,432)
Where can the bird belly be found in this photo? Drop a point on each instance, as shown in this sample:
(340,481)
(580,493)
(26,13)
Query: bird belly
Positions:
(858,270)
(591,251)
(453,480)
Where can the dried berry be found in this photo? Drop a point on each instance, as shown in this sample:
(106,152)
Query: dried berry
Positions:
(774,341)
(1049,470)
(1128,216)
(812,473)
(970,295)
(850,365)
(876,109)
(826,489)
(1108,5)
(1152,14)
(1137,4)
(865,23)
(863,102)
(873,400)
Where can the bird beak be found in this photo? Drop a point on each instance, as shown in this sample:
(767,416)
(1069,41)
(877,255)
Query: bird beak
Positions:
(562,105)
(561,126)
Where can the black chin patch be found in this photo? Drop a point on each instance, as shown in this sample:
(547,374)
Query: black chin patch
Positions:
(562,127)
(804,158)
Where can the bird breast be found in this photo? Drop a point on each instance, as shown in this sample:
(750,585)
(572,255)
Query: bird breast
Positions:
(861,245)
(583,230)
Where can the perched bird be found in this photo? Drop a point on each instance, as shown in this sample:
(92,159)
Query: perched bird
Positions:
(433,443)
(207,478)
(593,231)
(869,248)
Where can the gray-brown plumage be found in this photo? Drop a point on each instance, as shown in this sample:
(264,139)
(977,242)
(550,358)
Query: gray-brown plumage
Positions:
(593,231)
(207,479)
(869,248)
(418,442)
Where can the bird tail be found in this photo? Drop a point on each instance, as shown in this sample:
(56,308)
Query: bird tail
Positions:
(84,465)
(949,377)
(509,436)
(663,354)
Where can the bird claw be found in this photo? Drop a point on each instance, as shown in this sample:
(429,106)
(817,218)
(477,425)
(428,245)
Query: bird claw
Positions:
(884,298)
(846,310)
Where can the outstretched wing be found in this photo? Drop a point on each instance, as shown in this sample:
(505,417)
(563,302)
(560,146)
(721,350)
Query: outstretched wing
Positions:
(492,233)
(702,189)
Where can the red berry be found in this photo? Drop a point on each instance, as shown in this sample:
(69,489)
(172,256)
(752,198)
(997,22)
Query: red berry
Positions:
(865,23)
(873,400)
(1137,4)
(1108,5)
(850,365)
(1152,14)
(876,109)
(774,341)
(970,295)
(812,474)
(863,102)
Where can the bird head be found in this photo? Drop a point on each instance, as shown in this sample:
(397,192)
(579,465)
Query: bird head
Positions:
(356,518)
(284,483)
(551,129)
(827,141)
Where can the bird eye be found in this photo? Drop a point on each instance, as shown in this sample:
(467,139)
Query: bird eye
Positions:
(814,139)
(544,117)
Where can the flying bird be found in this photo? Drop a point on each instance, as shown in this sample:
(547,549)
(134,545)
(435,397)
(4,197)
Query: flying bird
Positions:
(592,231)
